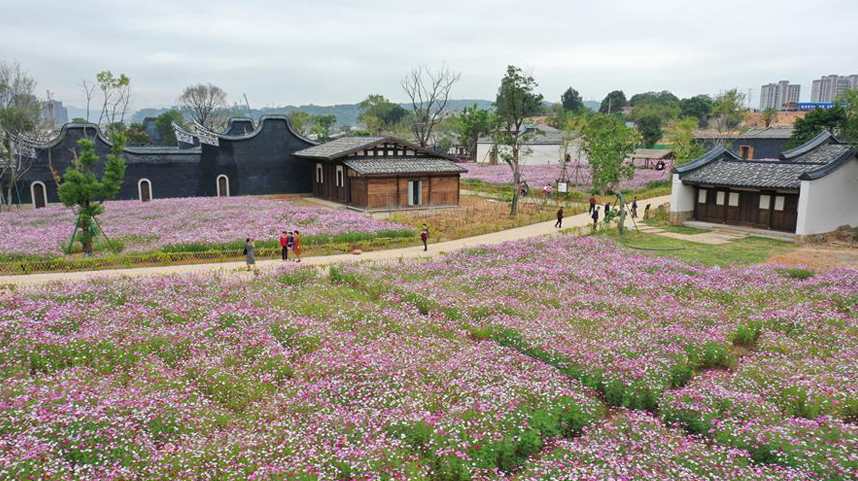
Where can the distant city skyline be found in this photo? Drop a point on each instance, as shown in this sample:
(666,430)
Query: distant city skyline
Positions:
(336,52)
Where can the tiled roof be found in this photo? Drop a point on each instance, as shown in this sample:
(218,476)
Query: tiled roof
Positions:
(823,154)
(749,173)
(543,135)
(402,165)
(651,153)
(754,133)
(337,147)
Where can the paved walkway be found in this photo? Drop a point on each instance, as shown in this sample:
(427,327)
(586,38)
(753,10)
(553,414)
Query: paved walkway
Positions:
(525,232)
(709,237)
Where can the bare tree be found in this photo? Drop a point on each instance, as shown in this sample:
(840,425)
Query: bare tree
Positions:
(429,93)
(89,92)
(203,101)
(116,95)
(20,117)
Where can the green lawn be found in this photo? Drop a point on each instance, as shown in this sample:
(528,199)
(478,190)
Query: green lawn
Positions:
(746,251)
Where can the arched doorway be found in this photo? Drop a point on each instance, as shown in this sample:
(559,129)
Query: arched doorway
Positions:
(39,194)
(144,190)
(222,186)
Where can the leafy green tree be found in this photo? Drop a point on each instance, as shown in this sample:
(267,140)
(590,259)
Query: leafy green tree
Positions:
(649,127)
(78,120)
(301,122)
(514,103)
(698,106)
(85,192)
(608,143)
(685,146)
(164,124)
(377,114)
(728,110)
(20,114)
(472,123)
(661,98)
(815,122)
(768,116)
(571,100)
(613,102)
(322,125)
(849,129)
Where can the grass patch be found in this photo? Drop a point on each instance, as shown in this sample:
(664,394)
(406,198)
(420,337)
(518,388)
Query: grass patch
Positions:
(745,251)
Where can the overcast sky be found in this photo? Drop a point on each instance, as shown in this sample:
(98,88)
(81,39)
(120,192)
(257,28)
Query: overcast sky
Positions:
(326,52)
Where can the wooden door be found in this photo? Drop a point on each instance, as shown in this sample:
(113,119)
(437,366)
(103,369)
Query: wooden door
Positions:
(145,191)
(39,195)
(785,212)
(748,209)
(222,187)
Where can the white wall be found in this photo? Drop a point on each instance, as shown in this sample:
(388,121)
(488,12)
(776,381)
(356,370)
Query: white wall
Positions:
(535,154)
(830,202)
(681,196)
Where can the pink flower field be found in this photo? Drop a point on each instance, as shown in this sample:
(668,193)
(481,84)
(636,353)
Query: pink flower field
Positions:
(538,175)
(550,359)
(147,226)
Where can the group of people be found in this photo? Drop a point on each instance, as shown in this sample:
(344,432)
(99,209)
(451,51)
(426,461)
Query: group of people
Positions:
(289,242)
(594,210)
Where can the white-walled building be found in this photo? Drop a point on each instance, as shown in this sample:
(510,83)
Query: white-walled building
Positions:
(811,190)
(545,147)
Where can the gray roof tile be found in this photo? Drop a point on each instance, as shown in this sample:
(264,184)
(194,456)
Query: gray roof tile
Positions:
(337,147)
(402,165)
(749,173)
(823,154)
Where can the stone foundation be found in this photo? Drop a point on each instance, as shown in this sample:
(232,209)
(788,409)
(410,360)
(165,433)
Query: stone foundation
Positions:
(677,218)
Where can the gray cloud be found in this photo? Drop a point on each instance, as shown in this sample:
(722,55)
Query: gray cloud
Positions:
(286,52)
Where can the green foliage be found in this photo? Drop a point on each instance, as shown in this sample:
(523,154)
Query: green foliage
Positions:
(471,124)
(698,107)
(378,115)
(613,102)
(83,190)
(661,98)
(322,125)
(769,115)
(514,103)
(728,110)
(300,122)
(649,127)
(684,143)
(164,124)
(608,143)
(136,136)
(339,276)
(797,273)
(849,129)
(571,100)
(297,277)
(817,121)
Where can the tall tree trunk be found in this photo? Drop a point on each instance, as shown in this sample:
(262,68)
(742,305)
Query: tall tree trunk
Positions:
(516,181)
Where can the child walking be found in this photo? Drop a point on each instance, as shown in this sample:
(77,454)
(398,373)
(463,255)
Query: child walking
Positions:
(424,236)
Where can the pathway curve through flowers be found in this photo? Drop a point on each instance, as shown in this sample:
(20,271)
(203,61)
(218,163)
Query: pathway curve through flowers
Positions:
(238,268)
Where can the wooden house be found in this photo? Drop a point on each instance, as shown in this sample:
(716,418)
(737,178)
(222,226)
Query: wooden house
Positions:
(382,173)
(810,190)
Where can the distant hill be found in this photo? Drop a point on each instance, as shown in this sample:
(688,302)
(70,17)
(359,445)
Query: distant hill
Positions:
(346,114)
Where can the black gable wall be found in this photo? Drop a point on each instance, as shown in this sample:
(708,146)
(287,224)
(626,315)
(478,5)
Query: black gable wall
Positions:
(256,161)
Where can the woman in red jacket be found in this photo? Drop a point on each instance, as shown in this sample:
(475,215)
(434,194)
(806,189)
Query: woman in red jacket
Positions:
(284,246)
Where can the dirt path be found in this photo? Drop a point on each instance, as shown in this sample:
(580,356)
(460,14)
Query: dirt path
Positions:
(526,232)
(818,257)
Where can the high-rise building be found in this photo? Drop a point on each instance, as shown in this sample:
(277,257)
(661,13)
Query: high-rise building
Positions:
(53,111)
(775,96)
(826,89)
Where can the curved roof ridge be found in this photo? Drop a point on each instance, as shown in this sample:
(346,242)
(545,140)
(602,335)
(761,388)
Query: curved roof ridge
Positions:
(260,125)
(100,135)
(714,154)
(830,167)
(820,139)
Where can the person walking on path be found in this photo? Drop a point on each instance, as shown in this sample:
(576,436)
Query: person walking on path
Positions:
(595,216)
(559,223)
(249,251)
(593,201)
(284,246)
(635,208)
(296,248)
(607,209)
(424,236)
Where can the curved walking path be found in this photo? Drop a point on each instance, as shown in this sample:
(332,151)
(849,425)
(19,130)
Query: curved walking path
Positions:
(517,233)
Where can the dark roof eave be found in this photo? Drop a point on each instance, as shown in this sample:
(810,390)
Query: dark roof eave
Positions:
(389,174)
(707,158)
(806,147)
(829,167)
(738,186)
